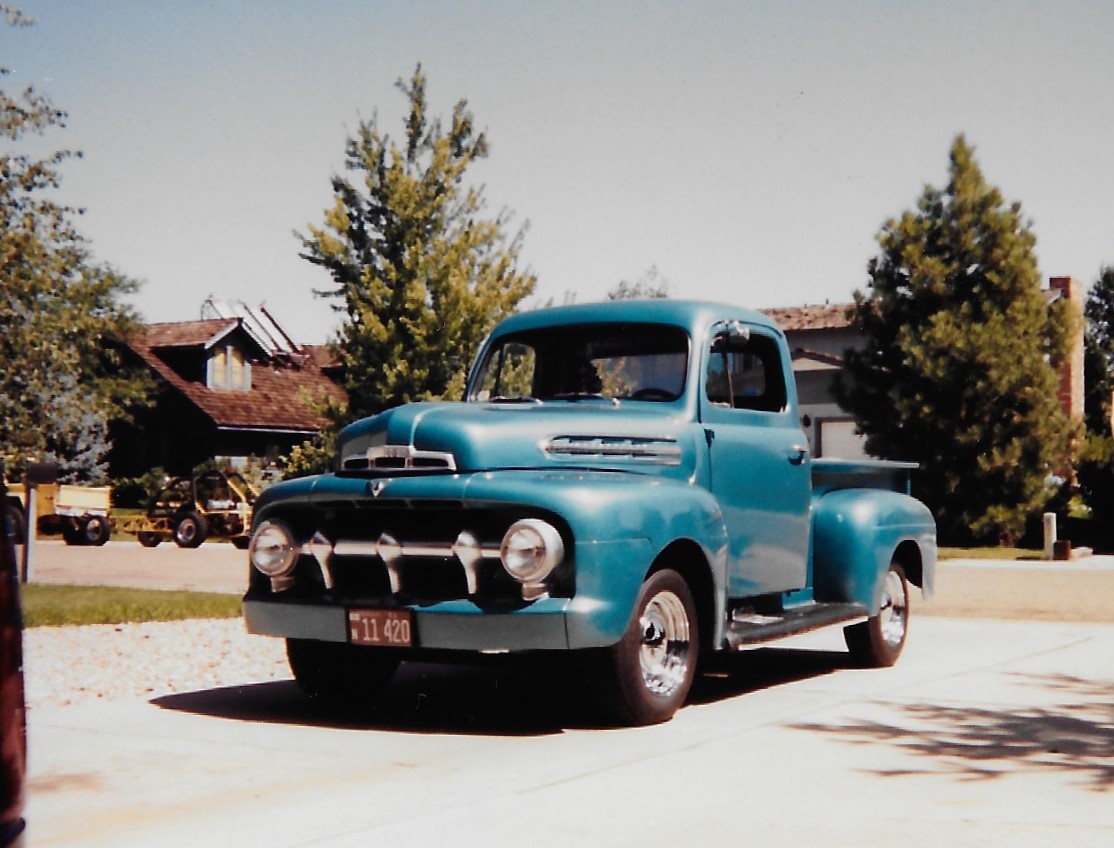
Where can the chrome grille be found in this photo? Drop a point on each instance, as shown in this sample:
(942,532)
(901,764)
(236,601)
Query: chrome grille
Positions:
(398,457)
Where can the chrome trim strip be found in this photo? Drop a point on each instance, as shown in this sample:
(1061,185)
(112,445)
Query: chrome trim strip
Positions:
(637,449)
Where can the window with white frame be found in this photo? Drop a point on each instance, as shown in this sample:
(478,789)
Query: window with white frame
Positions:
(229,369)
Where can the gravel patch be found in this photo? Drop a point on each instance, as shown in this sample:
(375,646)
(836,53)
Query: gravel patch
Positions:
(66,666)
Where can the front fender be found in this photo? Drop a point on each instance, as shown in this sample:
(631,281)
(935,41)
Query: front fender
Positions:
(856,534)
(621,523)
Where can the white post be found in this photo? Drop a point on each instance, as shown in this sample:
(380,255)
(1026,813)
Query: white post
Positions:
(1049,535)
(30,512)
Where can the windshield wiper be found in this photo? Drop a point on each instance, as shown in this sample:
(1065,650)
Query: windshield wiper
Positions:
(507,399)
(575,396)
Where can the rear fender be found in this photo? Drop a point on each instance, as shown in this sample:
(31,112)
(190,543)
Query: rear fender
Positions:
(857,533)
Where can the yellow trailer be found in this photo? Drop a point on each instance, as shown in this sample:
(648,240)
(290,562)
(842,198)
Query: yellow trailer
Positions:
(79,513)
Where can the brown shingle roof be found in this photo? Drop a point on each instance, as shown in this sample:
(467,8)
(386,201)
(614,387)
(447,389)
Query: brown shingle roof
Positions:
(827,317)
(281,395)
(187,333)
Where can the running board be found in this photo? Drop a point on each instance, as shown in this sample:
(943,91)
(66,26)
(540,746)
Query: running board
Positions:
(748,627)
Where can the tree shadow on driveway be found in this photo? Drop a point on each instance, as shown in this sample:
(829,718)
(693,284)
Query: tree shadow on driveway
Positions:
(1075,737)
(511,700)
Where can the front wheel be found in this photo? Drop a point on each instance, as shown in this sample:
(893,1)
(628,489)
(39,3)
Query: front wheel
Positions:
(191,530)
(647,675)
(878,641)
(340,673)
(16,526)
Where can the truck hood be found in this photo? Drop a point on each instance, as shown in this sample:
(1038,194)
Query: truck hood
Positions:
(471,437)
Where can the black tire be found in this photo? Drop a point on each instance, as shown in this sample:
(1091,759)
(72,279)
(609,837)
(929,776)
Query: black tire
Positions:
(878,641)
(96,530)
(646,676)
(340,674)
(148,539)
(191,530)
(73,532)
(17,527)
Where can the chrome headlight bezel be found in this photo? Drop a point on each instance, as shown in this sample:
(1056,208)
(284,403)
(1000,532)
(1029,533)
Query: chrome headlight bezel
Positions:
(273,550)
(531,549)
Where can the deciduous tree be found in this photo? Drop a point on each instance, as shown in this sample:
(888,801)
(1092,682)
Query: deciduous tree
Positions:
(61,382)
(651,285)
(958,370)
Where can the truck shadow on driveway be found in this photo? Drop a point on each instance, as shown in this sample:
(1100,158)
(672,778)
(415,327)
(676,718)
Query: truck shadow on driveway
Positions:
(1074,737)
(496,701)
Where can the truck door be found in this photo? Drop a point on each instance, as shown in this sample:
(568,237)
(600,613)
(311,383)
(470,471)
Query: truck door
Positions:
(759,460)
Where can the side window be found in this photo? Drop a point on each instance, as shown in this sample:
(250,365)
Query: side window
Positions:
(745,373)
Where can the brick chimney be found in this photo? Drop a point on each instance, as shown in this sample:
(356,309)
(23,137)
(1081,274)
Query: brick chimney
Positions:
(1070,392)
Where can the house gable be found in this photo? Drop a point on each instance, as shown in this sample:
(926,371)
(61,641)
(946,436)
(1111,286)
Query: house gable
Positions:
(222,393)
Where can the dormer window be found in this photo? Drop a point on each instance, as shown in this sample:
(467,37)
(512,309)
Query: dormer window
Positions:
(229,369)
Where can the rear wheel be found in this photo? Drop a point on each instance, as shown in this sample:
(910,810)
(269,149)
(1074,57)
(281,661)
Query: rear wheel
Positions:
(878,641)
(339,673)
(647,675)
(191,530)
(73,532)
(97,530)
(148,539)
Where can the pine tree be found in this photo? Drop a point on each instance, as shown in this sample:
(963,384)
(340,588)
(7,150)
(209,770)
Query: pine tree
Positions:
(421,275)
(1099,353)
(1095,467)
(958,371)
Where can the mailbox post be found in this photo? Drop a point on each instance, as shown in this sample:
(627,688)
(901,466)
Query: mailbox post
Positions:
(38,473)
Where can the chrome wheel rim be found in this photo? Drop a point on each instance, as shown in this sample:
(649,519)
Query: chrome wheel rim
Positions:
(664,644)
(893,616)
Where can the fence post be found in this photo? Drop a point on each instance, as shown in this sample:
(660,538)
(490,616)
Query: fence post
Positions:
(1049,535)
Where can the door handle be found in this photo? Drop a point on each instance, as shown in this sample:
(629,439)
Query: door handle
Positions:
(798,454)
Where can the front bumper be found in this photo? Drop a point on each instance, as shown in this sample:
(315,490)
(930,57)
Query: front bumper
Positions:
(448,626)
(609,576)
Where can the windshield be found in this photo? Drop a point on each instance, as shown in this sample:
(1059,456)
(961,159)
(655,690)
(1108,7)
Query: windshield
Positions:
(645,362)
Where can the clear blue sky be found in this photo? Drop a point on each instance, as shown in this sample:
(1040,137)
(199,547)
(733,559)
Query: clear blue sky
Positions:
(751,151)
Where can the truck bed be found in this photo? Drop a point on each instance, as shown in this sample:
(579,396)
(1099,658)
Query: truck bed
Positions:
(831,474)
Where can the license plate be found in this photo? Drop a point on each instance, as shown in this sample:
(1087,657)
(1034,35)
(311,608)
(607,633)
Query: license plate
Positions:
(391,628)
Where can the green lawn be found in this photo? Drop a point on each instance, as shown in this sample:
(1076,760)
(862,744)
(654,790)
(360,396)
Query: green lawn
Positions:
(45,605)
(990,553)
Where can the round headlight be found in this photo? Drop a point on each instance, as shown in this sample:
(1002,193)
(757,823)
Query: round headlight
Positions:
(272,549)
(531,549)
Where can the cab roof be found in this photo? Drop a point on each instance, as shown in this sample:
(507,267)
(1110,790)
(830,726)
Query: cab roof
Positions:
(694,316)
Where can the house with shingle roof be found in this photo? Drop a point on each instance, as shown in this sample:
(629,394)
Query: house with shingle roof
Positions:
(230,386)
(819,336)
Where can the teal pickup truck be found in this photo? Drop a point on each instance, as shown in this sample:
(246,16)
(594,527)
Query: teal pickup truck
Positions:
(628,481)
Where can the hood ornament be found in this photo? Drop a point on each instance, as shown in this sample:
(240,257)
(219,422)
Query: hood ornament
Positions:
(376,487)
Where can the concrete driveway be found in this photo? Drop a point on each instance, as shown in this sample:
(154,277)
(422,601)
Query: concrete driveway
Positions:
(986,732)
